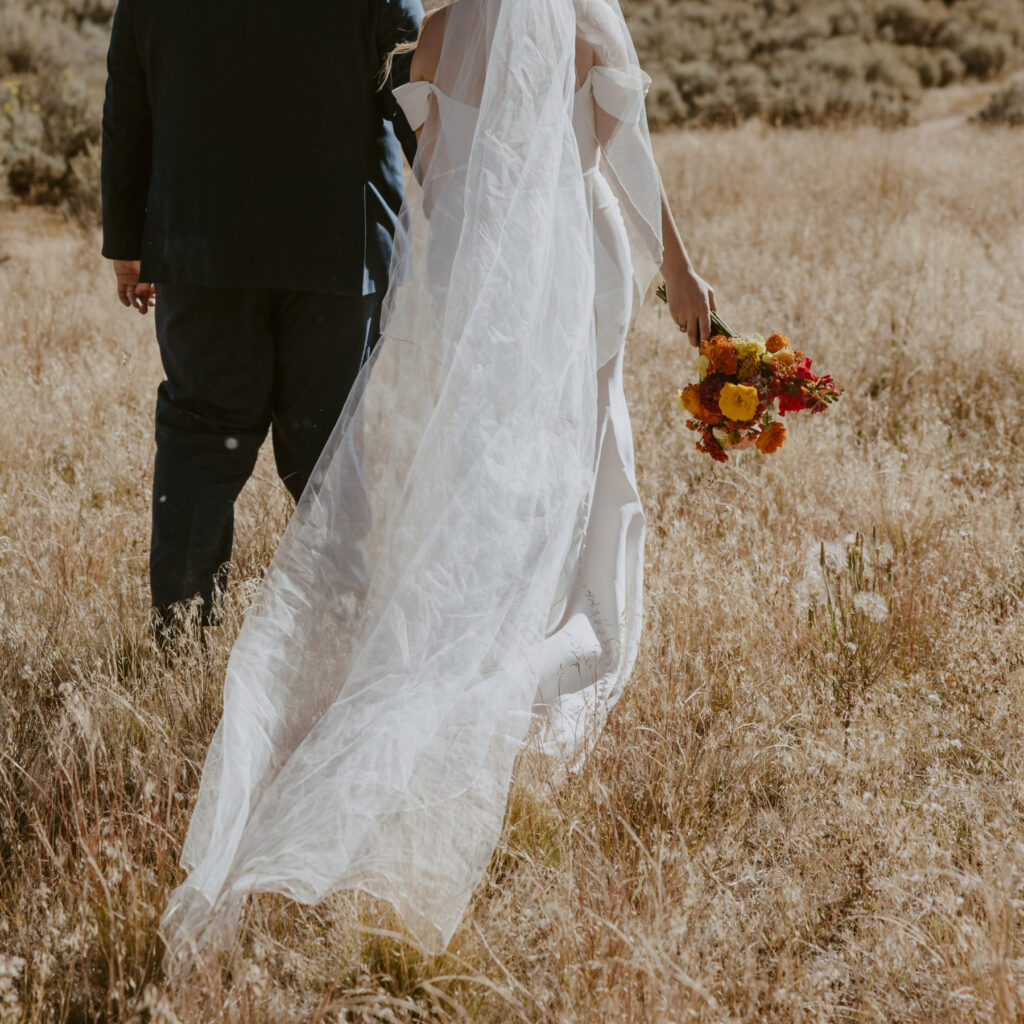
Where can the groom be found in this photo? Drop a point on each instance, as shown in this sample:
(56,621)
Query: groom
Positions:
(251,170)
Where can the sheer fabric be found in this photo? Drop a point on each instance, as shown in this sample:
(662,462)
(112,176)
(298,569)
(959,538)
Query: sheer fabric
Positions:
(426,592)
(626,160)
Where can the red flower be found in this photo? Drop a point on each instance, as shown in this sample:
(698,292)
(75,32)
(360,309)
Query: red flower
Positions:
(788,402)
(710,446)
(710,391)
(802,369)
(694,401)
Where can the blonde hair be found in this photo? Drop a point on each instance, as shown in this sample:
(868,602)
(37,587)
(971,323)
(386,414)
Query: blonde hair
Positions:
(430,8)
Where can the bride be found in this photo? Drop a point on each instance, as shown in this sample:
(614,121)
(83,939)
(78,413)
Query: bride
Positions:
(462,576)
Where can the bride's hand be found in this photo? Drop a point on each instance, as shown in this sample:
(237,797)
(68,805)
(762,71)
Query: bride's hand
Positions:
(690,301)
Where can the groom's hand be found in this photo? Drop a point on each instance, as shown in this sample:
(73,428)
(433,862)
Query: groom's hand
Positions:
(129,291)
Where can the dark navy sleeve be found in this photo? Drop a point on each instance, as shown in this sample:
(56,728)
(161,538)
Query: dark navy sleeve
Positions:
(397,21)
(127,141)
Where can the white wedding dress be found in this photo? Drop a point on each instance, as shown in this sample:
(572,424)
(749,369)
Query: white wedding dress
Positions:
(463,576)
(595,622)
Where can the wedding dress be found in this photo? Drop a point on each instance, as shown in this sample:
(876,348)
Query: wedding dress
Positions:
(463,574)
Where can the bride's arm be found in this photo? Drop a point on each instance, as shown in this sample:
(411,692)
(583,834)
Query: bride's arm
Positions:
(690,298)
(427,54)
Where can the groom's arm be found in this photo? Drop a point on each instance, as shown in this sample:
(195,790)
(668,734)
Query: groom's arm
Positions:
(127,141)
(398,21)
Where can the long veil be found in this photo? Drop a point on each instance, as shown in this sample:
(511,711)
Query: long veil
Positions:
(382,684)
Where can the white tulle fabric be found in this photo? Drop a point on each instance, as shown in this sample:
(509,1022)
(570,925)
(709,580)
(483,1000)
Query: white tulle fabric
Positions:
(463,572)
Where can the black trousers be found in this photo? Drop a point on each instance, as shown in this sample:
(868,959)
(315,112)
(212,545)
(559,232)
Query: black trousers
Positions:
(240,362)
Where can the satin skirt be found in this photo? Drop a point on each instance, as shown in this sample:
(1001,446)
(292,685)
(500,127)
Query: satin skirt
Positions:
(588,655)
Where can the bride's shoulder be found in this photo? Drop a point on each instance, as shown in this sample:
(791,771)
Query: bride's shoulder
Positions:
(427,55)
(602,30)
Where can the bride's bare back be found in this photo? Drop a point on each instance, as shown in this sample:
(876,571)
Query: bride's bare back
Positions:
(600,42)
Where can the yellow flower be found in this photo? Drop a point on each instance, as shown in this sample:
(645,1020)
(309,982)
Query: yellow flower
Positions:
(748,357)
(738,402)
(784,357)
(702,367)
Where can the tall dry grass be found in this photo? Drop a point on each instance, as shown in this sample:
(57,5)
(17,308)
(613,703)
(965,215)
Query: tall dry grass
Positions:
(793,815)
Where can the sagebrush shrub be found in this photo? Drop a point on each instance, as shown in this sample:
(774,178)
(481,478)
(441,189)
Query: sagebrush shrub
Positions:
(49,137)
(1006,107)
(51,78)
(798,63)
(822,60)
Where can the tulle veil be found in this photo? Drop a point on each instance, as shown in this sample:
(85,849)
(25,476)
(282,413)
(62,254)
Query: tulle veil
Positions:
(383,682)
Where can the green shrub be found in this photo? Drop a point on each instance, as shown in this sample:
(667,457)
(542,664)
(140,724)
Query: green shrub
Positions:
(49,138)
(985,54)
(51,77)
(714,62)
(820,60)
(1005,107)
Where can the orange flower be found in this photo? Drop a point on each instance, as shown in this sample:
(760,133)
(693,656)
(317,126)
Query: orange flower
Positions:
(777,342)
(713,340)
(771,439)
(712,417)
(720,354)
(689,399)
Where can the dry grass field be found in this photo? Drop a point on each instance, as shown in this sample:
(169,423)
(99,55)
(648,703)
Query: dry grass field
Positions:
(793,815)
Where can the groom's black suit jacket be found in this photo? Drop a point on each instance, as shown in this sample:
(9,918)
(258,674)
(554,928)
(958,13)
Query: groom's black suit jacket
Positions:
(246,142)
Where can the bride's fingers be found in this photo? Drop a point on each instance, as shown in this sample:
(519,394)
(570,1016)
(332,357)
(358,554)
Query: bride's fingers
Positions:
(705,324)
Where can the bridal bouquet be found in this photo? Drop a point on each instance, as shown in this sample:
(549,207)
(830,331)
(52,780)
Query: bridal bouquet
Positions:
(743,381)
